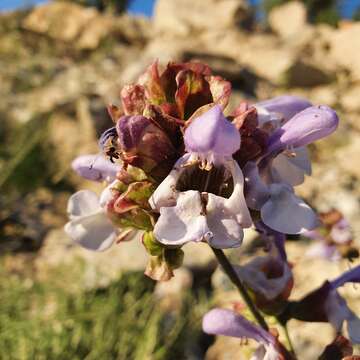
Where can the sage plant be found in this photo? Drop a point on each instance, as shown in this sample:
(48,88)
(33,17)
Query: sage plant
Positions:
(178,168)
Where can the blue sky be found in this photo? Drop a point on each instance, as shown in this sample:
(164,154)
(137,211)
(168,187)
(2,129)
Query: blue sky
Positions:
(136,6)
(145,6)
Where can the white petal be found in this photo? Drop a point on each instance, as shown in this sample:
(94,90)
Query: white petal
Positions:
(266,352)
(353,326)
(226,232)
(182,223)
(107,194)
(259,353)
(166,193)
(323,250)
(236,204)
(291,170)
(287,213)
(83,203)
(93,232)
(272,353)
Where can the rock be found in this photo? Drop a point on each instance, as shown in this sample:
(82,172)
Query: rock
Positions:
(65,146)
(288,20)
(269,61)
(82,268)
(350,99)
(305,73)
(345,47)
(181,17)
(95,31)
(62,21)
(133,29)
(324,95)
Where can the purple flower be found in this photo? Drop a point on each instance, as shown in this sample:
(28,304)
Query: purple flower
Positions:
(95,167)
(283,107)
(269,277)
(326,304)
(203,216)
(352,276)
(143,143)
(280,209)
(333,239)
(228,323)
(304,128)
(185,216)
(211,137)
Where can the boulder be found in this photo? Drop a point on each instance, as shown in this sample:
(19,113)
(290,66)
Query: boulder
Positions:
(267,57)
(350,99)
(59,20)
(181,17)
(94,32)
(345,48)
(288,20)
(307,73)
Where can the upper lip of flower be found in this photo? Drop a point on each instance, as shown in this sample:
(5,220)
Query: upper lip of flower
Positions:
(226,322)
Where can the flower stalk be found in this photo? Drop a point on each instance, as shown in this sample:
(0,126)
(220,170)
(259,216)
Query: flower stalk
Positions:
(233,276)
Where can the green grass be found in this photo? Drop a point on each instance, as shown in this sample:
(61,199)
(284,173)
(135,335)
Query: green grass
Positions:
(123,321)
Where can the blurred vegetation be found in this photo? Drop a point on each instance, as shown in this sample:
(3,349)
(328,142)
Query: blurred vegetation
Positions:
(40,320)
(319,11)
(356,15)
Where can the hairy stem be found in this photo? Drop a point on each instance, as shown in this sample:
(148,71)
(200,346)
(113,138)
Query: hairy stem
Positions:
(233,276)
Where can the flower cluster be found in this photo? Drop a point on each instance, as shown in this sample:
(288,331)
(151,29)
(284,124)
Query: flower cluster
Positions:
(180,169)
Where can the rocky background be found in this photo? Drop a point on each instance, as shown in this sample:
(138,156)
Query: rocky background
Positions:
(61,64)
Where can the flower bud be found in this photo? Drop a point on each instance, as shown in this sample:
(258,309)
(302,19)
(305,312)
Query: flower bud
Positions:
(304,128)
(143,144)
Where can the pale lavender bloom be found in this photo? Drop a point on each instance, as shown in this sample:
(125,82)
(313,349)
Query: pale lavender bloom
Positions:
(352,276)
(304,128)
(188,216)
(211,137)
(228,323)
(184,217)
(279,207)
(340,234)
(323,250)
(95,167)
(89,225)
(255,275)
(284,107)
(337,309)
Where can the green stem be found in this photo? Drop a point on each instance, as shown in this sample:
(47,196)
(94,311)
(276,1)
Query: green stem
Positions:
(233,276)
(291,347)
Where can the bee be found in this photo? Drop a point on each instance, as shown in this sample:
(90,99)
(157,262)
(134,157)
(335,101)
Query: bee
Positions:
(108,144)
